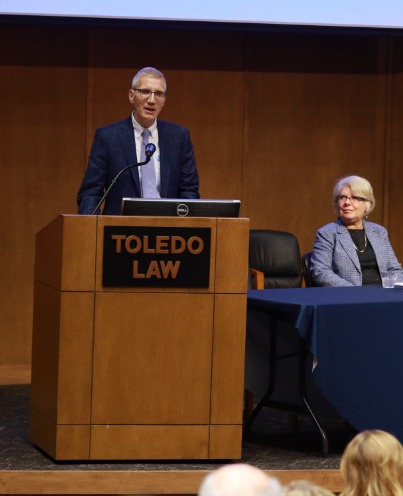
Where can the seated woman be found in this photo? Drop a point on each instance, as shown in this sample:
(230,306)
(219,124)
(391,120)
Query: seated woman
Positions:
(352,251)
(372,465)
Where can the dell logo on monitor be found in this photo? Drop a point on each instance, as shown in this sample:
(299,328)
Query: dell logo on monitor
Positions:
(182,210)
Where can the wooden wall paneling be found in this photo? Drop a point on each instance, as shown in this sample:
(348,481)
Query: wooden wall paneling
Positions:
(396,151)
(388,132)
(205,86)
(316,112)
(245,136)
(154,380)
(90,97)
(305,109)
(42,143)
(15,374)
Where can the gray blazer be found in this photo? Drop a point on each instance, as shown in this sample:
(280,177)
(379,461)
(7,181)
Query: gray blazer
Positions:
(335,261)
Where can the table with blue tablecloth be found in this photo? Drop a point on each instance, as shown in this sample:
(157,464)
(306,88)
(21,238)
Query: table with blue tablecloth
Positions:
(356,334)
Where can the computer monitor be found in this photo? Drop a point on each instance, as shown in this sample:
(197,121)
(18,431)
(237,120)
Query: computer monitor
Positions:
(180,207)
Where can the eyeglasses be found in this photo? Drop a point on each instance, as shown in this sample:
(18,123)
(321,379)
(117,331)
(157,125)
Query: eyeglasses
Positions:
(159,95)
(353,199)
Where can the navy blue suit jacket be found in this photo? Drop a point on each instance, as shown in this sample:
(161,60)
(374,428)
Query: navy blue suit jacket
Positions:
(114,148)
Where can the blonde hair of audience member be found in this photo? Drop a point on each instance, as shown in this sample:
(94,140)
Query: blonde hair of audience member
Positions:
(305,488)
(372,465)
(239,479)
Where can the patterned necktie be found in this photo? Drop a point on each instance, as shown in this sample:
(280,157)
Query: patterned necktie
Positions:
(148,181)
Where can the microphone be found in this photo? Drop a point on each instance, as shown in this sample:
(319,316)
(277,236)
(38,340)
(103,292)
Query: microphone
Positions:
(149,151)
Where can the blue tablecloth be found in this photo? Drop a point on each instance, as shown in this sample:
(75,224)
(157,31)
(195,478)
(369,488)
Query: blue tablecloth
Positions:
(356,334)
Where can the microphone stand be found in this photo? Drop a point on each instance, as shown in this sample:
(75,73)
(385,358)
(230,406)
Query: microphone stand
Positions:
(148,158)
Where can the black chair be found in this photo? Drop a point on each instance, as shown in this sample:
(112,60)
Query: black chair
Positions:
(306,270)
(276,254)
(274,348)
(274,261)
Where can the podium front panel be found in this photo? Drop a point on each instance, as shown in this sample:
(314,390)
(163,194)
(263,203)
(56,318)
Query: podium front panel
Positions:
(149,442)
(152,358)
(138,372)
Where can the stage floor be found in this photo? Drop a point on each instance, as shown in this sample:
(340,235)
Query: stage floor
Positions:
(273,447)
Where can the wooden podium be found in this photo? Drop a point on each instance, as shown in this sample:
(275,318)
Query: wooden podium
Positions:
(125,373)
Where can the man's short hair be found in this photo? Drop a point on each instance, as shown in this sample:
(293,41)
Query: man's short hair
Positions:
(148,72)
(239,479)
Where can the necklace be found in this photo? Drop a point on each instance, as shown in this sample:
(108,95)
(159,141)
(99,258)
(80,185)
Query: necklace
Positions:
(365,245)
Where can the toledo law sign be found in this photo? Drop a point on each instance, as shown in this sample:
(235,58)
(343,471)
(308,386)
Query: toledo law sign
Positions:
(156,257)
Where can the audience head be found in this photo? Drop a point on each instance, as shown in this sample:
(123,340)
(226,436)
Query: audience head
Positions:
(372,465)
(239,479)
(305,488)
(359,187)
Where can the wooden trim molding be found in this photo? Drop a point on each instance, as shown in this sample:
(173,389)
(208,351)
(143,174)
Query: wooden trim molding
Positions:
(137,482)
(15,374)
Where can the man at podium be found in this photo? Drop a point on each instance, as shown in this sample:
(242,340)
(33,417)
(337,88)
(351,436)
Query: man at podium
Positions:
(171,172)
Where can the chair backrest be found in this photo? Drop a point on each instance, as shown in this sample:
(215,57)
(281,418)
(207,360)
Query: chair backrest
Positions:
(277,255)
(306,270)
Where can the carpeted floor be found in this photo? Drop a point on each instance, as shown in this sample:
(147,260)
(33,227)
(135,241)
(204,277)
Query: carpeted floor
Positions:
(272,446)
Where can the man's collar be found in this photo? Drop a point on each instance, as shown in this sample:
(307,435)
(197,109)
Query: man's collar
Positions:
(138,128)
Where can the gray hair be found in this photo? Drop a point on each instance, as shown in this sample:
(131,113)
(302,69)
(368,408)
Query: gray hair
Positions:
(239,479)
(148,72)
(305,488)
(359,187)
